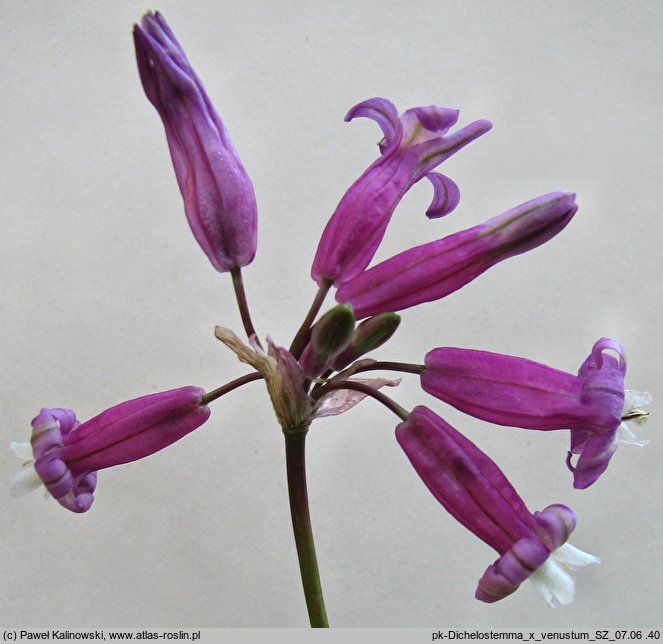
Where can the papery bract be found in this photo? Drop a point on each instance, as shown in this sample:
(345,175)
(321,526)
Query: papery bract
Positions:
(283,376)
(66,453)
(218,195)
(413,145)
(434,270)
(476,493)
(516,392)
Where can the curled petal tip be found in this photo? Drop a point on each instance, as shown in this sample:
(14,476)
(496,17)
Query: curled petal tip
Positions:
(414,144)
(446,195)
(385,114)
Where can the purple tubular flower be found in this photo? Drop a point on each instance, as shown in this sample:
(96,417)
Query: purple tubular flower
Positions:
(67,453)
(476,493)
(218,195)
(413,145)
(434,270)
(516,392)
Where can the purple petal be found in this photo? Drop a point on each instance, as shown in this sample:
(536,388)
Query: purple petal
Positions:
(594,459)
(503,389)
(464,480)
(355,230)
(598,358)
(446,195)
(385,114)
(432,271)
(505,575)
(557,522)
(421,124)
(432,152)
(134,429)
(218,195)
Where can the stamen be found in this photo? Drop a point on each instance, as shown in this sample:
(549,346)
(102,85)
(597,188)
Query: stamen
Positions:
(638,415)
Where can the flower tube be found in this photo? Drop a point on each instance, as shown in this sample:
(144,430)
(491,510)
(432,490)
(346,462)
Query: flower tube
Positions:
(516,392)
(434,270)
(413,145)
(218,195)
(476,493)
(65,454)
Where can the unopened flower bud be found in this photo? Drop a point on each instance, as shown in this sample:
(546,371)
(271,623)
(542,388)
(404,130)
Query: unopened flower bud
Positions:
(218,195)
(330,335)
(434,270)
(369,335)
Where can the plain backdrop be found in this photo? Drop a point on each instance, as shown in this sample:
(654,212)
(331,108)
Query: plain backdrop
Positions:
(106,296)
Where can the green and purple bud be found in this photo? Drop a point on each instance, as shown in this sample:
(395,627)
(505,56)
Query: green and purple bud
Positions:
(65,454)
(434,270)
(413,145)
(517,392)
(218,195)
(471,487)
(368,336)
(329,336)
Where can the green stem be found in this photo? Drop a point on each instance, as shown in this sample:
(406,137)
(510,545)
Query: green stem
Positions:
(295,439)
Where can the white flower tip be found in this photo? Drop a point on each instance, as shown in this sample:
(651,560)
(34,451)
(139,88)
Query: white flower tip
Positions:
(26,480)
(628,437)
(21,450)
(555,580)
(634,398)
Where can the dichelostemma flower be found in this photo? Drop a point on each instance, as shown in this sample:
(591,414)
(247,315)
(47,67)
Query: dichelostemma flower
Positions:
(516,392)
(413,145)
(476,493)
(434,270)
(65,454)
(218,195)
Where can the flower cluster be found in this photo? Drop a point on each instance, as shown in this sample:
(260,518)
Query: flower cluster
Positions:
(317,375)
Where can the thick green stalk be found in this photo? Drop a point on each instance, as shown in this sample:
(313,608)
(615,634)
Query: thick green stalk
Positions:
(295,440)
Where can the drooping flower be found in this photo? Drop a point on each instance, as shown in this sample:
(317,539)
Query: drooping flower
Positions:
(413,145)
(476,493)
(218,195)
(516,392)
(434,270)
(65,454)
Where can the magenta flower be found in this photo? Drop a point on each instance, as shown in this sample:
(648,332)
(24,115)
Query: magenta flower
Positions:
(517,392)
(476,493)
(218,195)
(413,145)
(321,372)
(65,454)
(434,270)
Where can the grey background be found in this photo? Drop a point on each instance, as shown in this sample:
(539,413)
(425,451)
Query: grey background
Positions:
(105,296)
